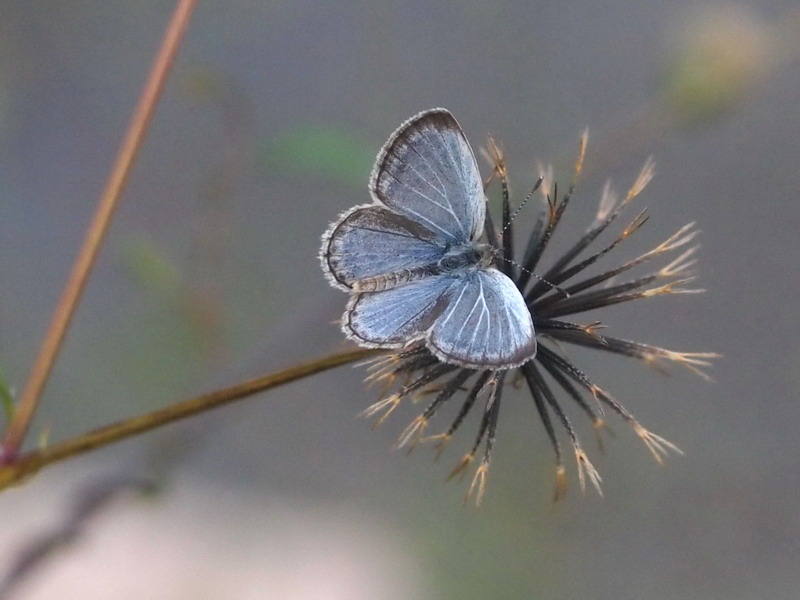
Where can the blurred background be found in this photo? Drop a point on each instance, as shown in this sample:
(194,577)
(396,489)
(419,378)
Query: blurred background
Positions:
(266,132)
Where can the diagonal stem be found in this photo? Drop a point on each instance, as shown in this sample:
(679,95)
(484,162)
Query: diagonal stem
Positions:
(73,290)
(33,461)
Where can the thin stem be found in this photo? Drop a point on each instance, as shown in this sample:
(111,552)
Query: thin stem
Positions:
(120,173)
(33,461)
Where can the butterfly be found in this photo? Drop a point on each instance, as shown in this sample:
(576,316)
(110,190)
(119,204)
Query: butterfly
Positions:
(413,261)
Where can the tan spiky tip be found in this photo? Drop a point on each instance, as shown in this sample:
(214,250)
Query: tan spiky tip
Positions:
(634,225)
(582,144)
(386,382)
(461,467)
(680,266)
(387,406)
(608,202)
(644,177)
(672,288)
(586,471)
(659,447)
(546,175)
(381,369)
(478,484)
(375,361)
(683,236)
(693,361)
(494,154)
(412,434)
(592,329)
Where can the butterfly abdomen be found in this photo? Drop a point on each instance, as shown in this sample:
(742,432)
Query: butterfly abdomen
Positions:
(454,261)
(396,279)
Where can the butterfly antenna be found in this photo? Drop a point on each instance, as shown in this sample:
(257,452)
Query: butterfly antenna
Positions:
(551,285)
(523,203)
(498,254)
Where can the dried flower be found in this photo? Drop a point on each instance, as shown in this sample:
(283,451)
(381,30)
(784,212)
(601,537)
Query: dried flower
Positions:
(563,290)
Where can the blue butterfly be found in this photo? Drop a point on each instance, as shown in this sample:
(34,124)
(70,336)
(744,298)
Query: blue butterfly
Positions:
(412,260)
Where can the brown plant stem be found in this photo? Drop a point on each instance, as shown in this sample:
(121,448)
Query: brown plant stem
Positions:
(120,173)
(33,461)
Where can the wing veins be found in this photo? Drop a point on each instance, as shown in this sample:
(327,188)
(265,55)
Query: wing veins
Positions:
(453,305)
(430,166)
(407,321)
(424,308)
(459,163)
(464,324)
(398,234)
(419,216)
(448,208)
(461,173)
(433,170)
(513,320)
(484,312)
(446,233)
(458,136)
(474,333)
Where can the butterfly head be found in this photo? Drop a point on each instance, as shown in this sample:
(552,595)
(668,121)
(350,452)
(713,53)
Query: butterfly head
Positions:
(466,255)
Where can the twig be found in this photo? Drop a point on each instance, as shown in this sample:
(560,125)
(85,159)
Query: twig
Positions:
(62,316)
(29,463)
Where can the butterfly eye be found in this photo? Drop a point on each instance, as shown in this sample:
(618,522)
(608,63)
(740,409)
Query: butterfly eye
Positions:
(449,263)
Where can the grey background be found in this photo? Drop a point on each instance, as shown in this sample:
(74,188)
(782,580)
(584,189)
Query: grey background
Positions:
(266,132)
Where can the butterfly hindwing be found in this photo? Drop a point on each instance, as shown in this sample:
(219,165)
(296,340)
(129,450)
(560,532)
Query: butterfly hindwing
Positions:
(485,325)
(394,317)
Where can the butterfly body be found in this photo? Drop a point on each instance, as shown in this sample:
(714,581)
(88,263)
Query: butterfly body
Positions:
(413,261)
(456,262)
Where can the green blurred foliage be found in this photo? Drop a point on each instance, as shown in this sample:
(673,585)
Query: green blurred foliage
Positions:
(192,306)
(150,267)
(320,151)
(6,397)
(723,53)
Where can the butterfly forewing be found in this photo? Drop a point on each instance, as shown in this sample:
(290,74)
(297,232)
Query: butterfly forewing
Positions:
(372,241)
(427,171)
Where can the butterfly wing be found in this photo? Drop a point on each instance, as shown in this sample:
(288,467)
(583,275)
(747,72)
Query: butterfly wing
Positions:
(391,318)
(427,172)
(486,324)
(370,241)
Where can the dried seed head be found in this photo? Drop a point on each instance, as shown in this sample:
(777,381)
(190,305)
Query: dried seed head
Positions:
(551,376)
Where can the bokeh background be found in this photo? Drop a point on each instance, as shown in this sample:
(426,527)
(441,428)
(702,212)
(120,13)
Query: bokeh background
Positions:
(267,131)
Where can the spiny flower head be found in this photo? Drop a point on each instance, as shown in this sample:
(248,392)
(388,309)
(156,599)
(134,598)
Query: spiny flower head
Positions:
(563,290)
